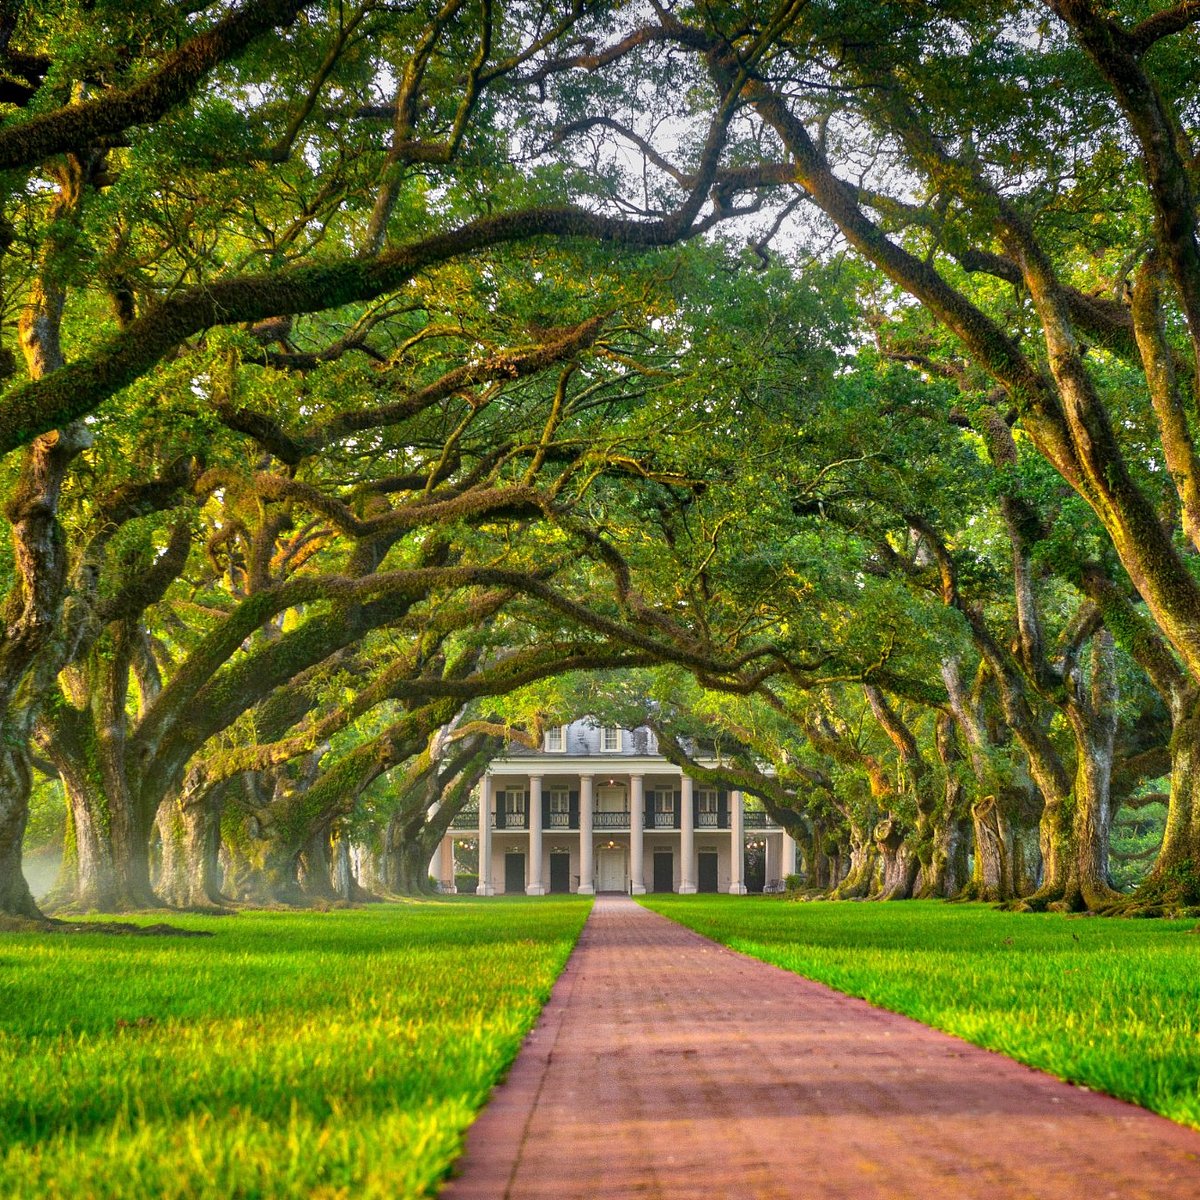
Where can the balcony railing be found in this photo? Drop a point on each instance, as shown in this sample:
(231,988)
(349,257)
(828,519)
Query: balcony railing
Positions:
(610,820)
(468,818)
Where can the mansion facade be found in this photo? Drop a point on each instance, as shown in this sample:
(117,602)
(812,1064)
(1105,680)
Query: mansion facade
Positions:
(598,809)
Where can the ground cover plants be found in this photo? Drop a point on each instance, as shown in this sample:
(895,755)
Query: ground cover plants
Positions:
(318,1055)
(1110,1005)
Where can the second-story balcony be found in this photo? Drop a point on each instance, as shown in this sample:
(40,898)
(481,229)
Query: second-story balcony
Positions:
(468,818)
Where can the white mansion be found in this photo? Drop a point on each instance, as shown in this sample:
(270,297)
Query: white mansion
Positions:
(598,809)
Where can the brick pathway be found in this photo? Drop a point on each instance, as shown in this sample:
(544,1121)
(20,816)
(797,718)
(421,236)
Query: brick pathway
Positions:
(665,1066)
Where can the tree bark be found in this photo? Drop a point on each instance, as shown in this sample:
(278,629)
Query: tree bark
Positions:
(15,781)
(316,867)
(944,870)
(899,863)
(864,858)
(190,831)
(1173,885)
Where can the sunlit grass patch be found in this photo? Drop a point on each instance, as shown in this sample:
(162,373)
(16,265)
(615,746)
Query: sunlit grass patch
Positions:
(317,1054)
(1113,1005)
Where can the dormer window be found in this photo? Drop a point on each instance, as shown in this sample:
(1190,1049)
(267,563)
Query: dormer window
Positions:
(610,739)
(556,740)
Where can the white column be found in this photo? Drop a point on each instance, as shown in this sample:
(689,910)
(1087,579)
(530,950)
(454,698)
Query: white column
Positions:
(737,845)
(587,886)
(446,872)
(434,870)
(533,882)
(485,887)
(789,856)
(637,824)
(687,838)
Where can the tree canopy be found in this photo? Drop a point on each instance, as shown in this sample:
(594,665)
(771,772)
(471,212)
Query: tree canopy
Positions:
(816,381)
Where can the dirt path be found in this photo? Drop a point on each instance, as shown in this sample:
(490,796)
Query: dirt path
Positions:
(666,1066)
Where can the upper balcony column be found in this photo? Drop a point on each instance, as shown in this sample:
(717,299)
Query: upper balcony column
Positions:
(533,884)
(637,822)
(586,873)
(737,845)
(485,887)
(687,837)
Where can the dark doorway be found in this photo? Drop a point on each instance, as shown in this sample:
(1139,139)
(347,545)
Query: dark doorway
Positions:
(664,870)
(756,868)
(708,871)
(514,874)
(560,872)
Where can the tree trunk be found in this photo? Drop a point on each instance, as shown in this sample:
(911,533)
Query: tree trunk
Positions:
(111,867)
(15,782)
(344,884)
(992,877)
(1173,885)
(944,863)
(316,870)
(863,860)
(1074,829)
(191,842)
(899,862)
(368,864)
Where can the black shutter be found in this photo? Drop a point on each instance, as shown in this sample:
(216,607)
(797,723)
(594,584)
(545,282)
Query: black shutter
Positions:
(573,810)
(648,808)
(723,809)
(677,811)
(545,810)
(499,810)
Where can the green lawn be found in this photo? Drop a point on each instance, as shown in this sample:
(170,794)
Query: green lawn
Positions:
(1113,1005)
(335,1054)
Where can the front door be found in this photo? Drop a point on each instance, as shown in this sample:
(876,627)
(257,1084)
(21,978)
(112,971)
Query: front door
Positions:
(560,872)
(514,873)
(708,871)
(664,870)
(610,870)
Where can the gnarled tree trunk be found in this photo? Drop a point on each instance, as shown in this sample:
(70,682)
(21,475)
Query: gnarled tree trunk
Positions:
(897,859)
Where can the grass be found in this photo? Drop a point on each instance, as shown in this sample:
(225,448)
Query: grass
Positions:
(320,1055)
(1112,1005)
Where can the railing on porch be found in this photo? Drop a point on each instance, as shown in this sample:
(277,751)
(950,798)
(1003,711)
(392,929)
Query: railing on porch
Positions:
(468,818)
(610,820)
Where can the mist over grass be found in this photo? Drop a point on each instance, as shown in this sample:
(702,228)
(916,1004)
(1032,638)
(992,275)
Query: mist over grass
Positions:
(338,1054)
(1109,1004)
